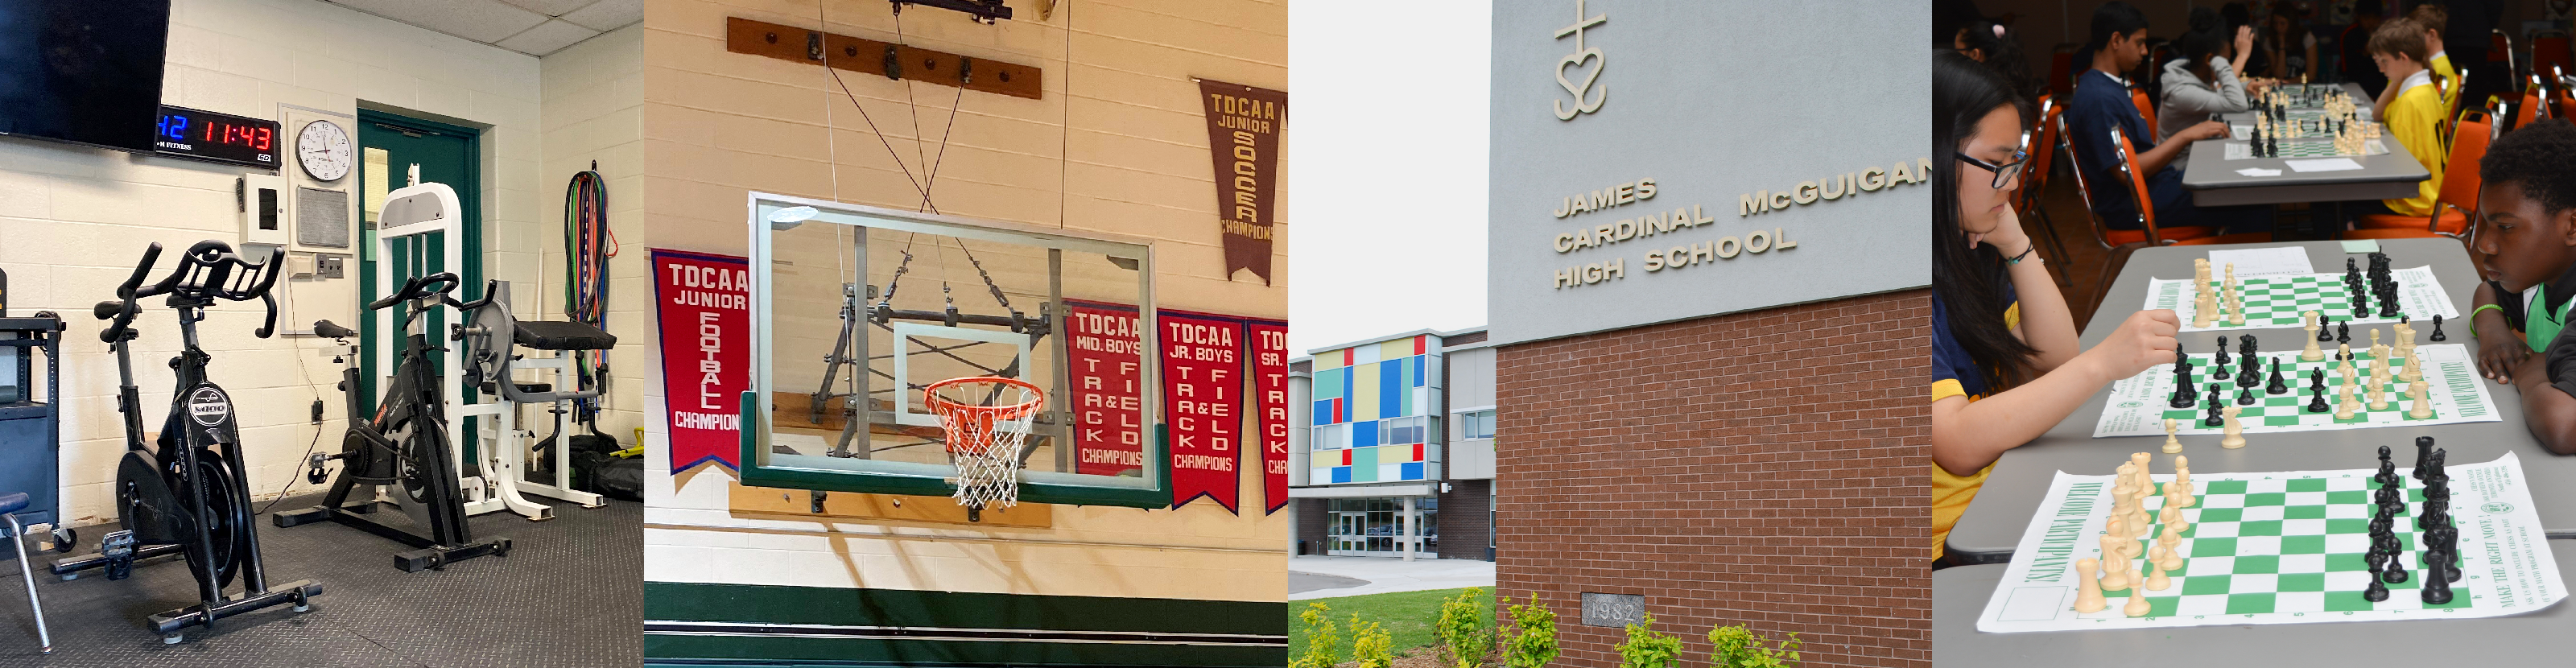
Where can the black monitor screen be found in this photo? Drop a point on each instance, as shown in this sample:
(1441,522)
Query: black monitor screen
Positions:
(86,71)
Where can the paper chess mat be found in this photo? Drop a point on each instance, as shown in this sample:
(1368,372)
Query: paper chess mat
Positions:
(2276,301)
(2139,406)
(2282,548)
(2305,147)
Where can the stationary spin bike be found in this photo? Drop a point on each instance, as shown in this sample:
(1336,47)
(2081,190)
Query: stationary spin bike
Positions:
(398,451)
(186,492)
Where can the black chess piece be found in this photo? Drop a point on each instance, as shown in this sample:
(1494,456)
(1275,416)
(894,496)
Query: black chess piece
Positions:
(2223,359)
(2324,333)
(2376,592)
(2396,571)
(2437,329)
(2216,418)
(2278,385)
(2437,591)
(2423,456)
(2183,397)
(2439,474)
(2385,465)
(2244,396)
(2318,404)
(2343,331)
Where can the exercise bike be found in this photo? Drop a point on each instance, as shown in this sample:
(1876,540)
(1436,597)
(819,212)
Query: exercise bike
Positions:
(398,452)
(187,492)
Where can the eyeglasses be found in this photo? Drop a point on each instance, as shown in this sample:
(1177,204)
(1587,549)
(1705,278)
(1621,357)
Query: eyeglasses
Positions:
(2004,173)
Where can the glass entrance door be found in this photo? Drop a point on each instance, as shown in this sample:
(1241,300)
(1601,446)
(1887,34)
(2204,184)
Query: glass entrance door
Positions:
(1368,528)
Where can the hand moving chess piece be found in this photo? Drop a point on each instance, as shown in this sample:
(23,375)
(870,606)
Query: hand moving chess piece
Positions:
(2088,598)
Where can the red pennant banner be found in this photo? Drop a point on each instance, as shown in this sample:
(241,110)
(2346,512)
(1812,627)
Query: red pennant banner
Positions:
(704,307)
(1270,400)
(1106,366)
(1203,402)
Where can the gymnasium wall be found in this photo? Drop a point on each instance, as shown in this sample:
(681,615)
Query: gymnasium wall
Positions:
(1729,475)
(1117,144)
(76,219)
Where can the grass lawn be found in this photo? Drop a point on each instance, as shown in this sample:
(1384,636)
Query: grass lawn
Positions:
(1407,616)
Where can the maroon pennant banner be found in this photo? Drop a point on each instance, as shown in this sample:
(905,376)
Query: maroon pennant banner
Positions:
(1270,400)
(1107,369)
(1243,141)
(1203,402)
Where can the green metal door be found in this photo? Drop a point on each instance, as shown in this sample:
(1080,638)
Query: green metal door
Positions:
(389,148)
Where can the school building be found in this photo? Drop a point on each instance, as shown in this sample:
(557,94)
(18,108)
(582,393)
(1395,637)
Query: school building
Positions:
(1395,449)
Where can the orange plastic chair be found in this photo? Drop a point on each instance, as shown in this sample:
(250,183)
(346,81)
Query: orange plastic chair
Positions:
(2529,109)
(2041,143)
(2455,204)
(2120,243)
(2145,108)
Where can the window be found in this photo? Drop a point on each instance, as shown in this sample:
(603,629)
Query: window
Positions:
(1403,430)
(1333,437)
(1476,424)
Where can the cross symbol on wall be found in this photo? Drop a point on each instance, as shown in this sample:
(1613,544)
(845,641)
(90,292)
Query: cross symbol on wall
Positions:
(1579,24)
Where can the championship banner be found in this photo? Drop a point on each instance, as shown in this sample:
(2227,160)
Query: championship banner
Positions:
(704,305)
(1270,401)
(1202,397)
(1106,367)
(1243,140)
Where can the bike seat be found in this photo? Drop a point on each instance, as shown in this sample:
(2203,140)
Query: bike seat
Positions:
(13,502)
(328,329)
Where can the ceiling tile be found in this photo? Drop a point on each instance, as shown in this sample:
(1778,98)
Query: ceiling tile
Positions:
(547,37)
(550,7)
(607,15)
(484,21)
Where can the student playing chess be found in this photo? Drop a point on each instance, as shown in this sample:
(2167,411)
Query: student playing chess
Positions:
(2204,81)
(2434,18)
(2414,113)
(2005,361)
(2519,315)
(2101,104)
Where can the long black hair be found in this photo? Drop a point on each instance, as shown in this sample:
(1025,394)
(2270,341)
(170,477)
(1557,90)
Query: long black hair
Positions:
(1970,281)
(2002,48)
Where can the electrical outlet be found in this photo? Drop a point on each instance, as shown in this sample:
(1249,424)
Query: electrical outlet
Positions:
(329,265)
(317,411)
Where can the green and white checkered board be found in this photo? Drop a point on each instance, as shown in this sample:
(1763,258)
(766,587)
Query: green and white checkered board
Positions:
(2305,147)
(2273,302)
(2282,548)
(2138,405)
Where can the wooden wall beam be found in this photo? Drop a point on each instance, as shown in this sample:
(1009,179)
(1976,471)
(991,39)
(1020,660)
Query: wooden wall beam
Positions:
(867,56)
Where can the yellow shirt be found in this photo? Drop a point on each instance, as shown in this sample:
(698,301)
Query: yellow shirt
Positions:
(1951,493)
(2415,119)
(2450,77)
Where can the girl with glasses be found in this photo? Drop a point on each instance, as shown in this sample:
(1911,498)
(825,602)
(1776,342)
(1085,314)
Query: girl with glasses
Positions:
(2005,362)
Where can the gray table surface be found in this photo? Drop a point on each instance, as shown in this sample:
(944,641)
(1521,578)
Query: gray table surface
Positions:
(1992,527)
(2213,180)
(2538,638)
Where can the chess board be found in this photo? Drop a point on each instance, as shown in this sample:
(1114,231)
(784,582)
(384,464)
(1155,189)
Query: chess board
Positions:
(2276,301)
(2138,405)
(2305,147)
(2282,548)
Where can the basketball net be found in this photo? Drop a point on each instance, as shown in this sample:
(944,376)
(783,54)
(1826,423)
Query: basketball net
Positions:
(986,423)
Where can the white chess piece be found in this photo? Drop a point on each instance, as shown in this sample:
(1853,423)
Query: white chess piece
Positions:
(2114,566)
(2138,605)
(2172,445)
(2158,581)
(2235,430)
(2414,364)
(2088,599)
(2422,406)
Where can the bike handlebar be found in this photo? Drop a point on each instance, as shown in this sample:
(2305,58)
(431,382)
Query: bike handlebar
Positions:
(418,287)
(208,271)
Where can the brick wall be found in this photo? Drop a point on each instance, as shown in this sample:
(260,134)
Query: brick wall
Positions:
(1762,468)
(1466,525)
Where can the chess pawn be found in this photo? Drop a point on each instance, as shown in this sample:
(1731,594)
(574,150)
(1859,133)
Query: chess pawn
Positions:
(2114,566)
(2235,430)
(2172,543)
(2157,580)
(2173,519)
(2172,445)
(2235,302)
(2088,598)
(2138,605)
(2344,403)
(2422,406)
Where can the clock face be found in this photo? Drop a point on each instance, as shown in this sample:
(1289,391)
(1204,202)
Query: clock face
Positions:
(323,149)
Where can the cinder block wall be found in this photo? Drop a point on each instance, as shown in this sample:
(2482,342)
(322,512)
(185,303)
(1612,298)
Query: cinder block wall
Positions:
(1763,468)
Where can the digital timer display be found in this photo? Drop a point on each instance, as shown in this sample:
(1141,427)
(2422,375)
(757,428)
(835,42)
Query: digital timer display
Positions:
(206,135)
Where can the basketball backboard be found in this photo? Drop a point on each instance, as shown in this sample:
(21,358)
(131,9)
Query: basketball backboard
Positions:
(858,309)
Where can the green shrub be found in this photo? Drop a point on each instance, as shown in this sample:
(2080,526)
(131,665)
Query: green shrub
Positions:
(1323,643)
(1371,645)
(1533,635)
(1647,649)
(1739,647)
(1463,630)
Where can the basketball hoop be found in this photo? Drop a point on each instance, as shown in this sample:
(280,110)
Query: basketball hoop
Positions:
(985,421)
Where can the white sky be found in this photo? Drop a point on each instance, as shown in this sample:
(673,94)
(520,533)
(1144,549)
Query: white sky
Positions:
(1387,136)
